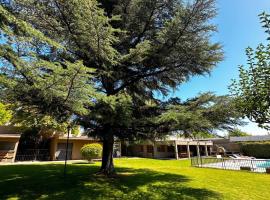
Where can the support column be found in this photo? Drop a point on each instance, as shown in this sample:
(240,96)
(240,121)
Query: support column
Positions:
(206,150)
(15,151)
(210,150)
(53,148)
(198,150)
(144,151)
(155,150)
(176,150)
(188,150)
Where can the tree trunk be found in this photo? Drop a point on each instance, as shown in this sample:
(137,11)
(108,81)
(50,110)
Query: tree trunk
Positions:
(107,166)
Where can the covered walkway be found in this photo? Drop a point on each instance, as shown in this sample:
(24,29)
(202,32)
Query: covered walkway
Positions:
(171,148)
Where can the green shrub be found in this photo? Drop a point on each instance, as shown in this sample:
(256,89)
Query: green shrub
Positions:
(256,149)
(91,151)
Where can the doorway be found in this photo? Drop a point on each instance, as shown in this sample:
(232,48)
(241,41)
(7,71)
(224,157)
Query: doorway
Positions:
(60,153)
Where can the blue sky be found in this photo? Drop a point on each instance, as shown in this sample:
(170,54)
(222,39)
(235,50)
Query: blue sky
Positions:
(238,27)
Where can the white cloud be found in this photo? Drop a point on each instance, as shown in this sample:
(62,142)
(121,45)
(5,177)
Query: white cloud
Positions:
(253,129)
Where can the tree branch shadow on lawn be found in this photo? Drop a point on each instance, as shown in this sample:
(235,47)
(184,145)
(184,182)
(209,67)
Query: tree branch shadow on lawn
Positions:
(47,182)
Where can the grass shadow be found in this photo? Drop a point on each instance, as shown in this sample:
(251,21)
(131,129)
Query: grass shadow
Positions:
(47,182)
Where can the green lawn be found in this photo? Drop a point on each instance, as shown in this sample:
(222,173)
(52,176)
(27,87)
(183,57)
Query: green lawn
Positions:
(138,179)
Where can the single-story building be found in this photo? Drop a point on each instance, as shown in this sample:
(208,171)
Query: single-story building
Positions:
(55,150)
(59,144)
(171,147)
(9,140)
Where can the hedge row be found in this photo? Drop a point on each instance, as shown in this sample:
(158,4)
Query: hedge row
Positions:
(256,149)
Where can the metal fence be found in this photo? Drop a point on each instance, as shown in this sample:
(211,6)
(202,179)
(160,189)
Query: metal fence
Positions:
(33,154)
(254,165)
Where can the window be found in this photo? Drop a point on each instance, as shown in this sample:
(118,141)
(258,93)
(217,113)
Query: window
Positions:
(171,148)
(150,149)
(140,147)
(60,153)
(161,148)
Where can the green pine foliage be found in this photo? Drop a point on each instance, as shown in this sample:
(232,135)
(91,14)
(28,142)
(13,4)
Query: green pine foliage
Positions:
(205,113)
(27,119)
(31,76)
(105,61)
(136,49)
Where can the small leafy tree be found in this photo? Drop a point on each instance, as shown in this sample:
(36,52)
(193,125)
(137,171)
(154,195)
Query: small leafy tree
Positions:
(252,90)
(91,151)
